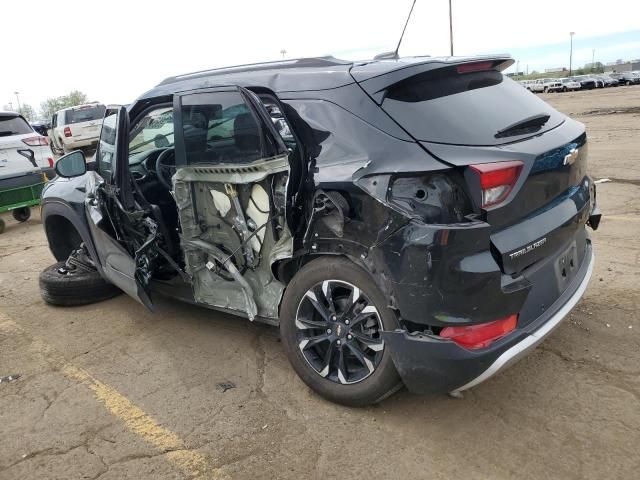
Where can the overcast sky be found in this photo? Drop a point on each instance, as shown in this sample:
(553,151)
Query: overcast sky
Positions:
(116,50)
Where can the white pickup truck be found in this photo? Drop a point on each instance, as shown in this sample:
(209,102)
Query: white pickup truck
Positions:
(76,127)
(544,85)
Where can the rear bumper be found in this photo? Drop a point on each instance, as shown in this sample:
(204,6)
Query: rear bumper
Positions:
(71,143)
(429,364)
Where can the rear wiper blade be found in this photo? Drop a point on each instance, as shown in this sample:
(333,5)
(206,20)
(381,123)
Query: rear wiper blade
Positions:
(528,125)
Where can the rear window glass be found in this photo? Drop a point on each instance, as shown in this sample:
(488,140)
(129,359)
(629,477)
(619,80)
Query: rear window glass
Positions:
(10,125)
(84,114)
(463,109)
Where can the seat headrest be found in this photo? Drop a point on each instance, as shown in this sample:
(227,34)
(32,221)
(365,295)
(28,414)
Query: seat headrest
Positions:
(246,133)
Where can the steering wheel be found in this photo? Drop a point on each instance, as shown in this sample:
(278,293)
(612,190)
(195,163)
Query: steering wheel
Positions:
(165,170)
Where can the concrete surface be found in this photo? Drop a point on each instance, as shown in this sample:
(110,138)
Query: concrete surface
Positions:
(111,391)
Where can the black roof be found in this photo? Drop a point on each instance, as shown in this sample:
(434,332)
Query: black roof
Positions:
(304,74)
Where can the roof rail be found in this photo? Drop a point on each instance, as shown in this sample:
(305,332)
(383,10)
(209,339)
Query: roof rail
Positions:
(293,63)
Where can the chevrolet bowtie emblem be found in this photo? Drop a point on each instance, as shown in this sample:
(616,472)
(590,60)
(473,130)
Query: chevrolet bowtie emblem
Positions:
(570,158)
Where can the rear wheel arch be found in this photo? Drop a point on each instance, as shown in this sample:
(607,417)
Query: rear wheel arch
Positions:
(286,271)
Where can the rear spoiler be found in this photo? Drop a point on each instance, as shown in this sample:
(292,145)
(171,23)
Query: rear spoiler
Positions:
(376,77)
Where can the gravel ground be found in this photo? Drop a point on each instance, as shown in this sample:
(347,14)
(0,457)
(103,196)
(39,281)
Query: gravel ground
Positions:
(111,391)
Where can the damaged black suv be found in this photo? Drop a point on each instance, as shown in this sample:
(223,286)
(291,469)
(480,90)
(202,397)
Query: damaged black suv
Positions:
(416,221)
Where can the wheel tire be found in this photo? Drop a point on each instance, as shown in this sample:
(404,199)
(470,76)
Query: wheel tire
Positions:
(21,214)
(379,384)
(2,225)
(74,289)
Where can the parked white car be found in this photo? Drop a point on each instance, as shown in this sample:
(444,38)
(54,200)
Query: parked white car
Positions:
(526,83)
(22,150)
(537,86)
(569,84)
(552,85)
(76,127)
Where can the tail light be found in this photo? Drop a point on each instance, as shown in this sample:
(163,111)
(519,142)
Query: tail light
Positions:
(482,335)
(67,132)
(50,160)
(496,180)
(37,141)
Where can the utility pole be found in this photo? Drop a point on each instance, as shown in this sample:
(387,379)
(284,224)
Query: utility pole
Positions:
(518,68)
(451,27)
(593,54)
(571,34)
(19,106)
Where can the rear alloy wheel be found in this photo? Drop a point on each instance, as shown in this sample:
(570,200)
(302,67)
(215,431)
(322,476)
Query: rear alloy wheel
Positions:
(21,214)
(75,282)
(332,318)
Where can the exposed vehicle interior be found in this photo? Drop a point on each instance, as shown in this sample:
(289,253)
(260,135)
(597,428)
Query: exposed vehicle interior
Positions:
(218,196)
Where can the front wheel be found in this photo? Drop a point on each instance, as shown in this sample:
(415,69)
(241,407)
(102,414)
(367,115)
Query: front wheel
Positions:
(331,321)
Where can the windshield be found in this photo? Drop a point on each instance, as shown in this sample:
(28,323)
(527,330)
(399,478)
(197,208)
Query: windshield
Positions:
(154,130)
(13,125)
(84,114)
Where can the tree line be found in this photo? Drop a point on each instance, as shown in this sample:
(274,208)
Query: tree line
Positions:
(49,106)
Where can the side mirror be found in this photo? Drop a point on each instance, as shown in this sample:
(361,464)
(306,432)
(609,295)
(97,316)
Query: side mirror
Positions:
(71,165)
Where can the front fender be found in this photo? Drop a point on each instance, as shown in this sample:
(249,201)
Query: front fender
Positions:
(65,197)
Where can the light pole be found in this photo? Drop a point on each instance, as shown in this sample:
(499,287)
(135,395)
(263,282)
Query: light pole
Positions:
(593,56)
(283,52)
(451,27)
(19,106)
(571,34)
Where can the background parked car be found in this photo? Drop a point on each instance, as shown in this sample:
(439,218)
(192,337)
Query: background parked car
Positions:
(22,150)
(526,83)
(626,78)
(586,83)
(608,81)
(598,82)
(41,126)
(552,85)
(569,84)
(76,127)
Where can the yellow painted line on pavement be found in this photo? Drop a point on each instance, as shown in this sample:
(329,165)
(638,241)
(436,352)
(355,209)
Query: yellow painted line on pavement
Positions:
(623,218)
(134,418)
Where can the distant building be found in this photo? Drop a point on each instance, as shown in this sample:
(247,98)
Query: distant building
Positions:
(515,74)
(622,66)
(555,70)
